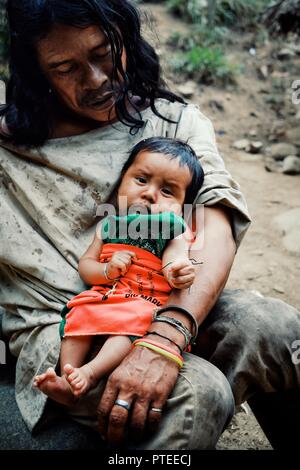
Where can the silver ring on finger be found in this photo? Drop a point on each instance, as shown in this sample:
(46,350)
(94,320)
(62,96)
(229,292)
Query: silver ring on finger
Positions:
(123,404)
(156,410)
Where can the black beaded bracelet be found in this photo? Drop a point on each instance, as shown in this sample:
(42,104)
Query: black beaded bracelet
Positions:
(165,337)
(175,308)
(176,324)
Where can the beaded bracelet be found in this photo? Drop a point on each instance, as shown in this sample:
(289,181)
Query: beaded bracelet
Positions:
(161,349)
(178,325)
(184,312)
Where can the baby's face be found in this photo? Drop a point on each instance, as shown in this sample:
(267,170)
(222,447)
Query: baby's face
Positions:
(156,182)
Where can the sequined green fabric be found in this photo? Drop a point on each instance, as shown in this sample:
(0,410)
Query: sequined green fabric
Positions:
(148,231)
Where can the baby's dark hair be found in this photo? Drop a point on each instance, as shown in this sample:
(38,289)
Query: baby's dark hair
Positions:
(174,148)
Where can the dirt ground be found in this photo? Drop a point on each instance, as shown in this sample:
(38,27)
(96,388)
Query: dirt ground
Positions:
(262,263)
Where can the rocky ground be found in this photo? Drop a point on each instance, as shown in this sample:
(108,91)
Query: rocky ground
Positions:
(258,133)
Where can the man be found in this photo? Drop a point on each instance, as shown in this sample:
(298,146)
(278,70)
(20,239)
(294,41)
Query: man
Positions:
(83,77)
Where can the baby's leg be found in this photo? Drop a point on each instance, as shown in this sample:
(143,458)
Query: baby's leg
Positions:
(74,350)
(108,358)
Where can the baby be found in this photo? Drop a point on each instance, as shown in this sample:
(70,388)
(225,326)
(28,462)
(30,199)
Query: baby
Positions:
(133,262)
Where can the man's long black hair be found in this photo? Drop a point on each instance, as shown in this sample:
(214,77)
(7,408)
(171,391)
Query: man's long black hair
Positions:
(27,112)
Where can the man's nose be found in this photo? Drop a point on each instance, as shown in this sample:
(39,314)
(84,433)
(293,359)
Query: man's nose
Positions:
(94,77)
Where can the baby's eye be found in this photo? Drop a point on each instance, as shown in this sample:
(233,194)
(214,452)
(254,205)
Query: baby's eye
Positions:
(141,179)
(167,191)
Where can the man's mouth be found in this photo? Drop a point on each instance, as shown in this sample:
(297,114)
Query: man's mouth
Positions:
(99,101)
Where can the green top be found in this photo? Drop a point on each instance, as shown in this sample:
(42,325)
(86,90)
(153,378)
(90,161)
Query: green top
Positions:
(148,231)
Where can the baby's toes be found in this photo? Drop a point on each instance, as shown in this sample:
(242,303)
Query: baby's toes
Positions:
(75,381)
(79,388)
(68,369)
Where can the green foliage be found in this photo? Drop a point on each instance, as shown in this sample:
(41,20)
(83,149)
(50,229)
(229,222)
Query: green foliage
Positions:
(200,35)
(191,10)
(243,13)
(205,64)
(240,13)
(202,57)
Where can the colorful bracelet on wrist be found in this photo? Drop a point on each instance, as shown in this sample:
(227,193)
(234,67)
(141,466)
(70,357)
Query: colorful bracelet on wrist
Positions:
(165,337)
(160,349)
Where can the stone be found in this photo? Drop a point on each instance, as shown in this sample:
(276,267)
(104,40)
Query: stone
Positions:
(288,223)
(297,116)
(278,128)
(216,105)
(291,165)
(255,147)
(263,72)
(242,144)
(272,165)
(253,133)
(187,89)
(2,92)
(281,150)
(279,289)
(295,47)
(293,136)
(258,253)
(285,53)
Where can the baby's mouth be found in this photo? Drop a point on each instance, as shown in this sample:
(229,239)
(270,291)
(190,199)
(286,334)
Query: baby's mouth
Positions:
(139,209)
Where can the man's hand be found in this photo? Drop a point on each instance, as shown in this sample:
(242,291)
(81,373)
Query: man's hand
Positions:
(145,380)
(181,274)
(119,263)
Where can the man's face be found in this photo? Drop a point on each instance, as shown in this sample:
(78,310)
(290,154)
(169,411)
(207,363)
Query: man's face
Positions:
(156,182)
(78,66)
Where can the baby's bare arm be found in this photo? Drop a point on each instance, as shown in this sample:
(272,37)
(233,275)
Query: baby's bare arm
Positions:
(177,267)
(92,272)
(90,269)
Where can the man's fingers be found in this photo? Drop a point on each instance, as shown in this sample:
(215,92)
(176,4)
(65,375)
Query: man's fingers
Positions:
(154,416)
(138,419)
(117,424)
(104,408)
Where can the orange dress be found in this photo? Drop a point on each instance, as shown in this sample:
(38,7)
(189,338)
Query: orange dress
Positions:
(127,307)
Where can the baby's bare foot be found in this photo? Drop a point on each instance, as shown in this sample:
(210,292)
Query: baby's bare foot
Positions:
(80,379)
(57,388)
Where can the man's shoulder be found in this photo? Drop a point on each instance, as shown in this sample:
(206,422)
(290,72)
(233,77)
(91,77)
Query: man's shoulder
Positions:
(175,109)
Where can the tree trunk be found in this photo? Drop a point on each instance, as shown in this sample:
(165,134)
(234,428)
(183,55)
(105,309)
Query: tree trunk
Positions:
(283,17)
(211,12)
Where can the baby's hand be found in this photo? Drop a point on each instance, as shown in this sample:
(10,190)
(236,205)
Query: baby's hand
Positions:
(181,274)
(119,263)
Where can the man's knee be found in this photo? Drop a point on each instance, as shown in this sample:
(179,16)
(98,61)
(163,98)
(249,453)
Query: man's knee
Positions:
(208,388)
(246,317)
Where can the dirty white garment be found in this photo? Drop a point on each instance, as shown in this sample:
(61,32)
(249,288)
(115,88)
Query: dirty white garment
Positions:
(49,198)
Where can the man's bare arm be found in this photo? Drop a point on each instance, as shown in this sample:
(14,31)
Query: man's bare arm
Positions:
(217,256)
